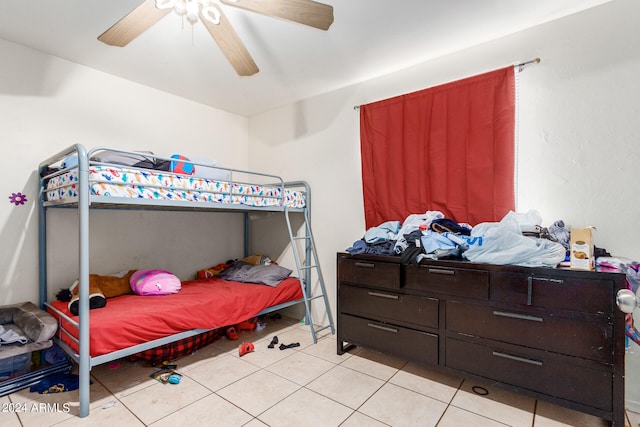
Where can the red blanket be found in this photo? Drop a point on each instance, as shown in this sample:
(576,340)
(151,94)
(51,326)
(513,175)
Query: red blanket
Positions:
(201,304)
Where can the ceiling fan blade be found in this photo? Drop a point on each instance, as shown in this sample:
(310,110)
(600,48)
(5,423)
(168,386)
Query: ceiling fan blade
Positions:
(133,24)
(305,12)
(230,44)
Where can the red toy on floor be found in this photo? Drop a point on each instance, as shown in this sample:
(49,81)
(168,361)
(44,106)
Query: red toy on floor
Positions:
(245,347)
(248,325)
(231,333)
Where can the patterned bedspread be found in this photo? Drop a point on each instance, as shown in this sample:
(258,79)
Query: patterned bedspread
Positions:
(112,181)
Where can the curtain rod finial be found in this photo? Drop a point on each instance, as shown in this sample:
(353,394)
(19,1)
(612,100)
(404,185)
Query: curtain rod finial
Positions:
(521,66)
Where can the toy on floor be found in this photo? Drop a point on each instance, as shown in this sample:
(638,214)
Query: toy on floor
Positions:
(166,375)
(231,333)
(248,325)
(245,348)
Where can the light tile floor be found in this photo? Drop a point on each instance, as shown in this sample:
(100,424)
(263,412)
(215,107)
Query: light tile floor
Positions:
(309,385)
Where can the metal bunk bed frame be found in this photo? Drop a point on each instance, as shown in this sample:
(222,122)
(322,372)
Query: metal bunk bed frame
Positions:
(304,265)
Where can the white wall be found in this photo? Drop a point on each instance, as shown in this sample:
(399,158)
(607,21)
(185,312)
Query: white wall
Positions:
(48,104)
(579,129)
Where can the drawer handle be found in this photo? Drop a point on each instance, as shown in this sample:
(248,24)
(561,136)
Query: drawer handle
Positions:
(381,295)
(517,359)
(518,316)
(441,271)
(365,264)
(382,328)
(530,280)
(548,279)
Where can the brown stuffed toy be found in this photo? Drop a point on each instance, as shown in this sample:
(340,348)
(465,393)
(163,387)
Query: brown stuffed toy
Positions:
(100,288)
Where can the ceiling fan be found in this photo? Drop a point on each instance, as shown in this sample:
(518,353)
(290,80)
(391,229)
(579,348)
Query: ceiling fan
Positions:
(307,12)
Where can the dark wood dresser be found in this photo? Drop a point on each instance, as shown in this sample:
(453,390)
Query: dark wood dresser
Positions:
(552,334)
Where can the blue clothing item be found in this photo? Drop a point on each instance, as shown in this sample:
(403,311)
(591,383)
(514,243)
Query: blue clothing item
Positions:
(385,231)
(54,355)
(432,241)
(413,223)
(57,383)
(362,247)
(561,233)
(70,161)
(463,240)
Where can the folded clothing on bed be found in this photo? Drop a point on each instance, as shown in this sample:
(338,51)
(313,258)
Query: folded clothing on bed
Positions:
(133,319)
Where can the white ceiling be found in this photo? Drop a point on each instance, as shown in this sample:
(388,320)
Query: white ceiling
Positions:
(368,38)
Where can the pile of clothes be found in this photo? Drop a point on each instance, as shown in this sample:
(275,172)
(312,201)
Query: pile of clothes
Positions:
(517,239)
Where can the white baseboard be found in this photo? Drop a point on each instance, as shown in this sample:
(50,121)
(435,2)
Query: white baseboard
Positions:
(632,378)
(632,406)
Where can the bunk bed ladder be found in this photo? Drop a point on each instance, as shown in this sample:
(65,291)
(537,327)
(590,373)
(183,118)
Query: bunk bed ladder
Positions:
(305,266)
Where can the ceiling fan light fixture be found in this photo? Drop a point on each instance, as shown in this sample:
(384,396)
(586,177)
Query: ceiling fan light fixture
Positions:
(192,8)
(180,8)
(186,8)
(211,14)
(165,4)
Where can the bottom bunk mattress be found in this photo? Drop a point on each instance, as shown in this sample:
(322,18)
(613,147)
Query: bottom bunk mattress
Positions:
(129,320)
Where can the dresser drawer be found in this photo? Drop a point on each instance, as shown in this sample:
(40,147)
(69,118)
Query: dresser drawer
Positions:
(590,340)
(445,280)
(537,371)
(585,295)
(387,306)
(371,273)
(388,338)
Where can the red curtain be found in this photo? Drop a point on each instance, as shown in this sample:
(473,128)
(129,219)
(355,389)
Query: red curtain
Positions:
(448,148)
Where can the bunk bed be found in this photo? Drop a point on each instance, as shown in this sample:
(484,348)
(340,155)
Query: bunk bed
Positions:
(81,179)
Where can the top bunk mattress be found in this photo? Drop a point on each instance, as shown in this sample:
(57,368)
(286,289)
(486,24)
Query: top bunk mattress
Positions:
(133,183)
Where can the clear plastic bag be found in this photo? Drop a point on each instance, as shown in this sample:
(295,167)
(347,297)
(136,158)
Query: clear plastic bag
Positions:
(503,243)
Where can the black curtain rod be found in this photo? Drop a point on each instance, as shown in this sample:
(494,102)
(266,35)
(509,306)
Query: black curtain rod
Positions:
(524,64)
(521,66)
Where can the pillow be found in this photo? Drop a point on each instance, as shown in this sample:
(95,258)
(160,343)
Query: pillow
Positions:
(210,171)
(124,159)
(241,271)
(36,324)
(154,282)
